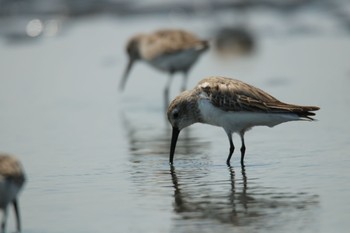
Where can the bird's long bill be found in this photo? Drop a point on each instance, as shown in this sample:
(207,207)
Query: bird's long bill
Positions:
(126,73)
(174,137)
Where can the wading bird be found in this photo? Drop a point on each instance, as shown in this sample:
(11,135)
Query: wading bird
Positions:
(167,50)
(12,179)
(232,104)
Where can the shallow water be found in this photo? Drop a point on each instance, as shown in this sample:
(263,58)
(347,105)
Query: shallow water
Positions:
(97,159)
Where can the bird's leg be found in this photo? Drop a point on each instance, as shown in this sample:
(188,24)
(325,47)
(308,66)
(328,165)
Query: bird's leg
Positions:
(232,148)
(184,81)
(18,218)
(166,91)
(4,218)
(242,148)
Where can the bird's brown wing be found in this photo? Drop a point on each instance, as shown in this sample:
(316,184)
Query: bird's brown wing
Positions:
(10,168)
(234,95)
(164,42)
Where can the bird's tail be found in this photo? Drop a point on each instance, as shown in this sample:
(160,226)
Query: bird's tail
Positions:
(202,46)
(205,44)
(307,112)
(304,112)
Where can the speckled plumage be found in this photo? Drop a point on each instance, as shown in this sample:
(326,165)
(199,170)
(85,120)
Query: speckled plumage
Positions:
(234,95)
(167,41)
(234,105)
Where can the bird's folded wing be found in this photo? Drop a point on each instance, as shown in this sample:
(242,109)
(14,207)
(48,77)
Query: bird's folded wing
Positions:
(234,95)
(165,42)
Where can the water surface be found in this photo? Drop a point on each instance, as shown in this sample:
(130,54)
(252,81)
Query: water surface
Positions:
(97,159)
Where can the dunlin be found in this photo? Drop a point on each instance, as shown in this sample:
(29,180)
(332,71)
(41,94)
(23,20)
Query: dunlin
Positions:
(12,179)
(167,50)
(232,104)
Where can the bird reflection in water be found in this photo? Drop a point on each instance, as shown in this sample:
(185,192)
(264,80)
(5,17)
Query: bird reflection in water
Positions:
(241,206)
(150,140)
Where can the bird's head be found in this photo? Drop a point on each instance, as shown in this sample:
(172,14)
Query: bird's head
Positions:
(182,112)
(132,47)
(133,51)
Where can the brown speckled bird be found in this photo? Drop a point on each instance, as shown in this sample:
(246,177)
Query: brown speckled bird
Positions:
(167,50)
(12,179)
(234,105)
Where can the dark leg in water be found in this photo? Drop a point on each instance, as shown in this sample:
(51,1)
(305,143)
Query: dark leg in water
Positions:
(4,219)
(242,148)
(18,217)
(232,149)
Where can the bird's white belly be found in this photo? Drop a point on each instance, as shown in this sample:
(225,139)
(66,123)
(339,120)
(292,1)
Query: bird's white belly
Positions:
(175,62)
(237,121)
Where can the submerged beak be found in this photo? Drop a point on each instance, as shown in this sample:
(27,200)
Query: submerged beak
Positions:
(126,73)
(174,137)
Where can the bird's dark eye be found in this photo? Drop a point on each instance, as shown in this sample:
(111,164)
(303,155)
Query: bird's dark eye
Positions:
(175,115)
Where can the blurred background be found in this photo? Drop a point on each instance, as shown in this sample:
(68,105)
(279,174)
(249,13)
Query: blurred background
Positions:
(24,20)
(97,158)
